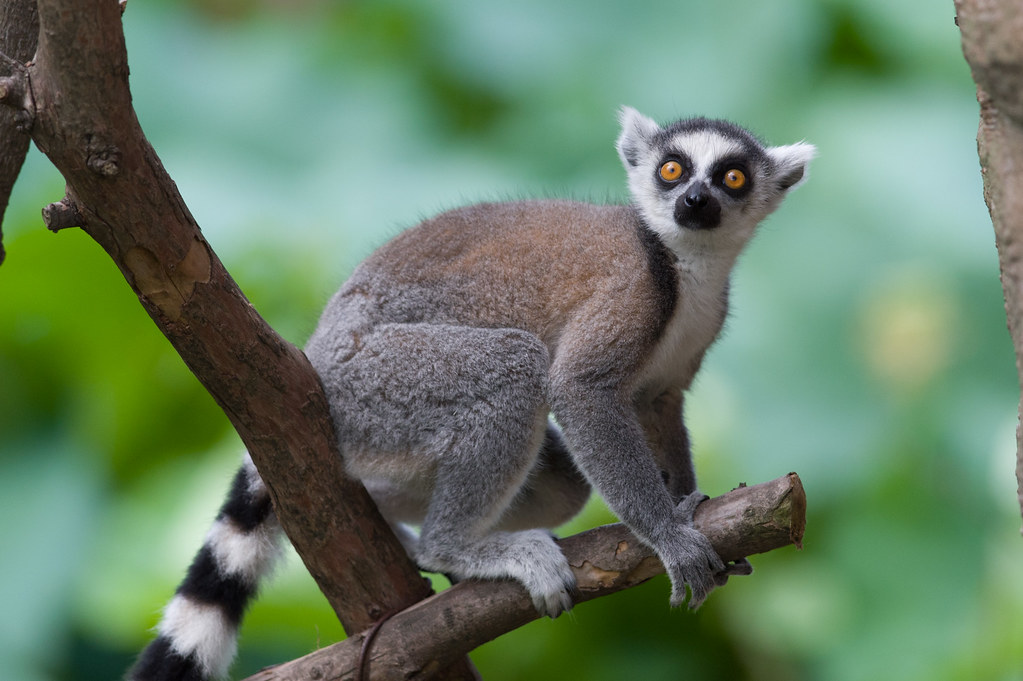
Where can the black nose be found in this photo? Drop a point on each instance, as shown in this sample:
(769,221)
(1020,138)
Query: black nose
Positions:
(697,198)
(697,208)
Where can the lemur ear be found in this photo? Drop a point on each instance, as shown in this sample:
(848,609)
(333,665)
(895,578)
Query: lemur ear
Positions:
(790,163)
(637,130)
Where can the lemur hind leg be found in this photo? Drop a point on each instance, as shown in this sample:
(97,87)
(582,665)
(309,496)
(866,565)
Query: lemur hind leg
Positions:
(554,492)
(458,540)
(452,420)
(500,431)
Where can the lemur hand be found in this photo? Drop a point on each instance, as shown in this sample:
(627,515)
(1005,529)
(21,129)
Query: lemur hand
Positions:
(690,558)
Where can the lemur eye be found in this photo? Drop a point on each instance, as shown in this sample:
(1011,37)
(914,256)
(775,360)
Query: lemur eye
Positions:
(735,179)
(671,171)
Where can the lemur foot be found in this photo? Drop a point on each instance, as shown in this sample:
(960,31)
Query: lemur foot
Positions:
(548,578)
(529,556)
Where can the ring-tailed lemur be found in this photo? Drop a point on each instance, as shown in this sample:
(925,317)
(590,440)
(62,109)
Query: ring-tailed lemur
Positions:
(447,351)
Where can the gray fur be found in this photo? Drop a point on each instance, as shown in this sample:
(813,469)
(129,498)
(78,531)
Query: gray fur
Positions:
(447,351)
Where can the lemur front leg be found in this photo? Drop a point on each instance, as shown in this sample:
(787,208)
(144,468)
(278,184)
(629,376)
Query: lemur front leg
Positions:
(664,424)
(609,445)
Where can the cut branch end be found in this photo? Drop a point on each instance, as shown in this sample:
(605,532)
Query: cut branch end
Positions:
(61,215)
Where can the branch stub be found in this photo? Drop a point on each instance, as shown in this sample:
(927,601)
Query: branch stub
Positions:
(61,215)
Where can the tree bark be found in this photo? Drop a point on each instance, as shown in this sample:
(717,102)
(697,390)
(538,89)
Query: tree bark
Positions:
(992,39)
(119,192)
(427,636)
(19,32)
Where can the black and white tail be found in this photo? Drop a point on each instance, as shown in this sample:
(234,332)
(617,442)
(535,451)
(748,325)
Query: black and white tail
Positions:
(198,633)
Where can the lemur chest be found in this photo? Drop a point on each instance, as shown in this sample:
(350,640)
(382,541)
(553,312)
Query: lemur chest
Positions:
(695,323)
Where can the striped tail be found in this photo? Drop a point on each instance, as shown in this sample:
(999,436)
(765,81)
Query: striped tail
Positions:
(199,630)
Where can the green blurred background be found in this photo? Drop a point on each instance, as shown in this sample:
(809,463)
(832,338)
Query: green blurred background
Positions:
(867,349)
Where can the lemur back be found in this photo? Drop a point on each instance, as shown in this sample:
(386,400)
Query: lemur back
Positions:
(489,366)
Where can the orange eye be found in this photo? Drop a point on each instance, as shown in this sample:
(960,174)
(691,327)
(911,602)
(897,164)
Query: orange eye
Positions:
(735,179)
(671,171)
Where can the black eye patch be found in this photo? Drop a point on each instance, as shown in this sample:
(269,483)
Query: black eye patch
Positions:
(674,169)
(733,176)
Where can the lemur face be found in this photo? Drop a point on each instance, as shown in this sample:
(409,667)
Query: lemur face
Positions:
(705,175)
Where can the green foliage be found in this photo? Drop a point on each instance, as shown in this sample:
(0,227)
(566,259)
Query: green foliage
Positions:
(867,348)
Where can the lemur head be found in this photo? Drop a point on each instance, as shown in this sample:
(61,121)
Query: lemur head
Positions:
(701,181)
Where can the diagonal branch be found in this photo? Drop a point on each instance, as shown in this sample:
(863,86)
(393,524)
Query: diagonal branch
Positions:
(119,192)
(430,634)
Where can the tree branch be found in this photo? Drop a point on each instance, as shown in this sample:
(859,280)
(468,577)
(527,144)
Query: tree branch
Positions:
(19,32)
(427,636)
(119,192)
(992,37)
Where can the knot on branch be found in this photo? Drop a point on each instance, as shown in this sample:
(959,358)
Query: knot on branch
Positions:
(15,93)
(10,87)
(105,161)
(61,215)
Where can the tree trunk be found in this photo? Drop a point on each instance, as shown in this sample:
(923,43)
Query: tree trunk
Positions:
(992,37)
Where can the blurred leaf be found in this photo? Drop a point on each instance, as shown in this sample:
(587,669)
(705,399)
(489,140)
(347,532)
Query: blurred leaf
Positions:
(50,500)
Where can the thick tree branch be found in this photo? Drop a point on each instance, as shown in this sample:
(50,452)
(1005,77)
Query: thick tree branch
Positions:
(992,37)
(428,635)
(19,32)
(118,191)
(120,194)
